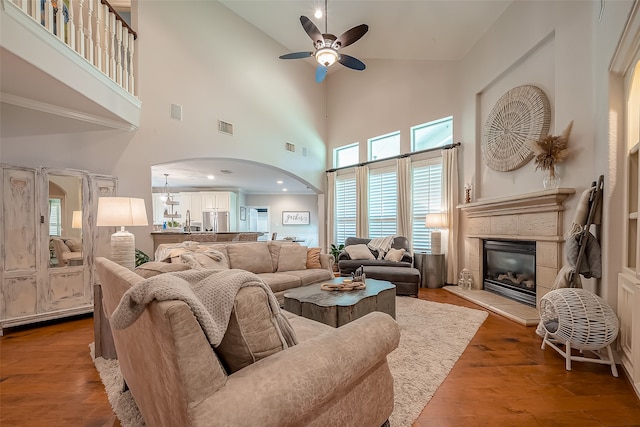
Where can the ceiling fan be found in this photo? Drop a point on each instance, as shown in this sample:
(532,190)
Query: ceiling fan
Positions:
(327,46)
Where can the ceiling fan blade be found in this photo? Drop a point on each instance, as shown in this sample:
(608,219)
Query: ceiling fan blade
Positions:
(350,36)
(311,30)
(296,55)
(321,72)
(351,62)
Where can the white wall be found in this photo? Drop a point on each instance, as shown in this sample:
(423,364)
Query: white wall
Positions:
(388,96)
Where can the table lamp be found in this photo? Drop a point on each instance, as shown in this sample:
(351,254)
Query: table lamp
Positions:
(436,221)
(122,212)
(76,219)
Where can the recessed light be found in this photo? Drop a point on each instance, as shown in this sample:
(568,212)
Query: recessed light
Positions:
(284,189)
(209,176)
(279,181)
(318,13)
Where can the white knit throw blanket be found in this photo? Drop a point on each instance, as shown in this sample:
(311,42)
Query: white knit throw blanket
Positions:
(381,244)
(209,293)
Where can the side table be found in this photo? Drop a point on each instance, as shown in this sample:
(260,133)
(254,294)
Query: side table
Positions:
(432,269)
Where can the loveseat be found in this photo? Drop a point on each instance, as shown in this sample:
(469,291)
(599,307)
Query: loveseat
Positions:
(281,265)
(395,265)
(348,264)
(331,377)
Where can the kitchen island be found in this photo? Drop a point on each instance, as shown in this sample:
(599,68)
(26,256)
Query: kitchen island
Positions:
(160,237)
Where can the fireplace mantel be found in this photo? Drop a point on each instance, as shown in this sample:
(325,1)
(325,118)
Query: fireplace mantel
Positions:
(536,216)
(540,201)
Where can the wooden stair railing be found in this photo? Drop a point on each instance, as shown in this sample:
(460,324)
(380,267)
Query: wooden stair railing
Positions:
(92,28)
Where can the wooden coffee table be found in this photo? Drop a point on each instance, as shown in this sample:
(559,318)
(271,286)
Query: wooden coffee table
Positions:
(337,308)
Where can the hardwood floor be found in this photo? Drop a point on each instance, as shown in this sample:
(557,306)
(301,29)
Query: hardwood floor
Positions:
(503,378)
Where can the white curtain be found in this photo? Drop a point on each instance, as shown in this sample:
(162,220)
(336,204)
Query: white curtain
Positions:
(330,204)
(362,201)
(404,198)
(450,201)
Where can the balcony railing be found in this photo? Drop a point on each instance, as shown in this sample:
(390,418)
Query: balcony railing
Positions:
(94,30)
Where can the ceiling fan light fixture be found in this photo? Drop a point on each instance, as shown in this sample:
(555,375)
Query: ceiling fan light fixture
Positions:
(326,56)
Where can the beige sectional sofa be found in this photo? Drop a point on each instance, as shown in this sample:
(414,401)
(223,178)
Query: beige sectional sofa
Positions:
(281,265)
(331,377)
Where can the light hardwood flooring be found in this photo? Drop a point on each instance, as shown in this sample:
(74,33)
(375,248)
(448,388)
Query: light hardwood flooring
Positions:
(503,378)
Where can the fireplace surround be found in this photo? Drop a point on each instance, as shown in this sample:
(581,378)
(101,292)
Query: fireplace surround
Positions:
(536,217)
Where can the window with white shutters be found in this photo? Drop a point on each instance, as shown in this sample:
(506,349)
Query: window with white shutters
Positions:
(345,208)
(383,202)
(55,217)
(426,194)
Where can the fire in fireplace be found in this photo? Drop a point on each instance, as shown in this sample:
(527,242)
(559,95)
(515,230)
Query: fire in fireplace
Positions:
(510,269)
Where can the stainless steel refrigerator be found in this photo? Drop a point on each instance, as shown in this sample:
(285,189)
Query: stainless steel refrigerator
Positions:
(217,222)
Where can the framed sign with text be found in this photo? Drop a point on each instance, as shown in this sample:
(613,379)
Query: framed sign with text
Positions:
(295,217)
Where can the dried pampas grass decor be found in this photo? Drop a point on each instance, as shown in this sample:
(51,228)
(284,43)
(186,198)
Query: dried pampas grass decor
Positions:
(522,114)
(551,150)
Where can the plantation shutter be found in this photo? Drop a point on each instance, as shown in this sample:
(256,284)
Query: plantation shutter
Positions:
(383,202)
(427,197)
(345,208)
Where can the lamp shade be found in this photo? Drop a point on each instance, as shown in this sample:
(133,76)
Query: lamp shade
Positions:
(76,220)
(435,220)
(121,211)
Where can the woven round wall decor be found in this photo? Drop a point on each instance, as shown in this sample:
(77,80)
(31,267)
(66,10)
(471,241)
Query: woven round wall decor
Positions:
(520,115)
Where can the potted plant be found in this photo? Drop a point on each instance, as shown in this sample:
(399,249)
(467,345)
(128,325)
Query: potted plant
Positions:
(548,152)
(335,251)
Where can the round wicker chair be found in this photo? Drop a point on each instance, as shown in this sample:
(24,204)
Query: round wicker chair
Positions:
(579,319)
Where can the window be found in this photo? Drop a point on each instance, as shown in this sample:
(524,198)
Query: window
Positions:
(385,146)
(346,155)
(426,193)
(345,208)
(432,135)
(383,202)
(55,217)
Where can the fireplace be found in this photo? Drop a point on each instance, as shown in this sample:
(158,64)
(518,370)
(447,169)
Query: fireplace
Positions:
(510,269)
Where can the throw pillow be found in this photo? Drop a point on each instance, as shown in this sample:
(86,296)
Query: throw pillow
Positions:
(313,258)
(395,255)
(74,244)
(251,334)
(153,268)
(253,257)
(359,252)
(292,258)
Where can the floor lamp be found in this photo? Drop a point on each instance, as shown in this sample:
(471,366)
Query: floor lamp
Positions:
(122,212)
(436,221)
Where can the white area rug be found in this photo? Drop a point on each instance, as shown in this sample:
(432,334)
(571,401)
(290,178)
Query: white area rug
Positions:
(432,338)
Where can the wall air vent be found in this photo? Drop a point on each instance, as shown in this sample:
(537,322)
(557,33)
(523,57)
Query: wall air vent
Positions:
(224,127)
(176,112)
(290,147)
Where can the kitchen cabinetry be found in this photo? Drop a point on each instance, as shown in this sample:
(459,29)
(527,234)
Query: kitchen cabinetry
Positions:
(216,200)
(192,202)
(629,278)
(37,207)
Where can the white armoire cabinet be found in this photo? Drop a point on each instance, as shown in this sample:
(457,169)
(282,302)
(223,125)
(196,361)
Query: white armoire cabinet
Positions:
(39,207)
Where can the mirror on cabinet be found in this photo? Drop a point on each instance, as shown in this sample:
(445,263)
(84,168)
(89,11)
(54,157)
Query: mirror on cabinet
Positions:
(65,220)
